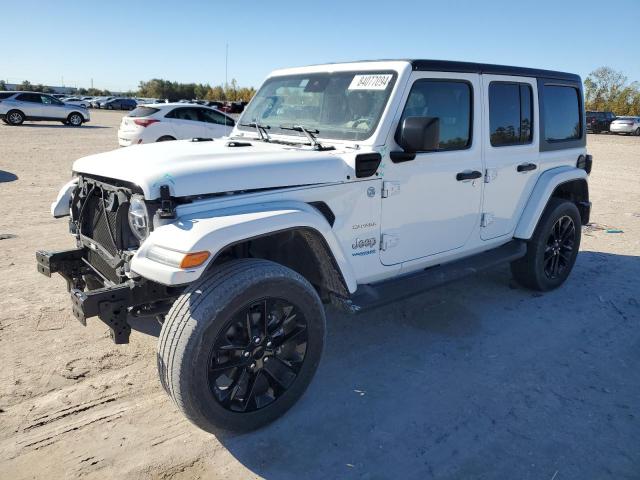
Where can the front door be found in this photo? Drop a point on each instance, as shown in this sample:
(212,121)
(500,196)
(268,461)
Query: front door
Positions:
(431,203)
(215,124)
(52,107)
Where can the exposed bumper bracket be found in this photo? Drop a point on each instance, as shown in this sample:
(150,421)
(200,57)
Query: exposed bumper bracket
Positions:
(110,304)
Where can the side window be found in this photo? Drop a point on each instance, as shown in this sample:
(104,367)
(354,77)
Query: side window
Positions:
(510,113)
(211,116)
(183,114)
(450,102)
(46,100)
(561,113)
(29,97)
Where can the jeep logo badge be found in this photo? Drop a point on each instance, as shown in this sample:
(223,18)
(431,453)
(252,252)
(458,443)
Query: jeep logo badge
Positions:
(371,192)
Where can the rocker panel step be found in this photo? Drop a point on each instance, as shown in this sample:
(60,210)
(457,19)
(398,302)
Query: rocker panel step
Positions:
(375,295)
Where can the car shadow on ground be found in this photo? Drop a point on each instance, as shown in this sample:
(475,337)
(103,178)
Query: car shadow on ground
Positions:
(478,379)
(7,176)
(50,125)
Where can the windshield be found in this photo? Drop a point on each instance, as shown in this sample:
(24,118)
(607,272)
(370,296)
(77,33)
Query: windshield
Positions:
(341,105)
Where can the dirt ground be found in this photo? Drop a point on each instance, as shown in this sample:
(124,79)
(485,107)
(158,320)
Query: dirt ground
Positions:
(479,379)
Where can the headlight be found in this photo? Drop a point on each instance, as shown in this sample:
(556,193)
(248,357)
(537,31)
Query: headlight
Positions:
(139,218)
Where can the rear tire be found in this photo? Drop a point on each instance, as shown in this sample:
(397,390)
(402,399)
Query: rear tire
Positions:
(165,138)
(553,248)
(264,320)
(637,132)
(15,117)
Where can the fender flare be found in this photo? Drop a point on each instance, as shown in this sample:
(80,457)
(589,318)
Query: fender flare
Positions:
(215,230)
(542,191)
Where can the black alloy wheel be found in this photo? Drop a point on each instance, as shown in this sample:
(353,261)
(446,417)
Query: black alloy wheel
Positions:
(560,245)
(257,355)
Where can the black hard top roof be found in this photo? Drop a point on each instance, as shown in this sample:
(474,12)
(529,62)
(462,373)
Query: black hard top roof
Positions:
(471,67)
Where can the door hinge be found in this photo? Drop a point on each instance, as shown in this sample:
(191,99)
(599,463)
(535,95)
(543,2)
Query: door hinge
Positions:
(487,219)
(490,174)
(389,240)
(390,188)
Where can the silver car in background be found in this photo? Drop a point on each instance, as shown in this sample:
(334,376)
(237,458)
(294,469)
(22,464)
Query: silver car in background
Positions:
(628,125)
(16,107)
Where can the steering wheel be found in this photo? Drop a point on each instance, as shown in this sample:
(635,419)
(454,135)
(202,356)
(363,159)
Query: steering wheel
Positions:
(359,121)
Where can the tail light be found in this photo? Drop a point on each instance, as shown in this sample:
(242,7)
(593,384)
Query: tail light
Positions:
(145,122)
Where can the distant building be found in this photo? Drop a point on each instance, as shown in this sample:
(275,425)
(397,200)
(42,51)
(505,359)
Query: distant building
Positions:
(66,90)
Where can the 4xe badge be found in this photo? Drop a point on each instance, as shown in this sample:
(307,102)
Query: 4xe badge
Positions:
(363,246)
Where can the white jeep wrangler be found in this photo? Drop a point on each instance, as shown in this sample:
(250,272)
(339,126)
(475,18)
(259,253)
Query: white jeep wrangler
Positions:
(354,184)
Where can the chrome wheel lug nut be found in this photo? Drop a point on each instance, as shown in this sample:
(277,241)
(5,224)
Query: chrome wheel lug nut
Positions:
(266,359)
(256,340)
(253,365)
(269,344)
(246,354)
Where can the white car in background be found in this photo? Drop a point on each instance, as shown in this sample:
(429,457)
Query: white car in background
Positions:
(76,101)
(159,122)
(630,125)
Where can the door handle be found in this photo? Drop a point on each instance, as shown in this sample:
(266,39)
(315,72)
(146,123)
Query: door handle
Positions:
(526,167)
(468,175)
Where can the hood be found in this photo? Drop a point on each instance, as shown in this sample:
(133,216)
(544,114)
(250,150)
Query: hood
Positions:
(198,168)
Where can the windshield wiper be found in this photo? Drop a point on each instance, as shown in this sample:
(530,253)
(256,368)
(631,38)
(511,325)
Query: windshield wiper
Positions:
(260,128)
(309,133)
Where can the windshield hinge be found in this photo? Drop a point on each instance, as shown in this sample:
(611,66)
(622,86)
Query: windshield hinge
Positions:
(390,188)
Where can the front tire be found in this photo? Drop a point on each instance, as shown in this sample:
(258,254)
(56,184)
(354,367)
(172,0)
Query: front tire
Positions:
(637,132)
(553,248)
(75,119)
(15,117)
(239,348)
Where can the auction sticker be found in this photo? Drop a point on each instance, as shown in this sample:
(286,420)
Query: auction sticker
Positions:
(370,82)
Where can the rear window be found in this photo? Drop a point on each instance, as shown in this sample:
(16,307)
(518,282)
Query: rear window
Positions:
(4,95)
(143,111)
(561,113)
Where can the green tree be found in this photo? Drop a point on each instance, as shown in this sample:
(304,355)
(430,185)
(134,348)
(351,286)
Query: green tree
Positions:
(26,86)
(606,89)
(3,86)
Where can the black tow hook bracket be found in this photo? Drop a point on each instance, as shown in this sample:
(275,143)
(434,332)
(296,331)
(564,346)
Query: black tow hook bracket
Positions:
(167,208)
(109,305)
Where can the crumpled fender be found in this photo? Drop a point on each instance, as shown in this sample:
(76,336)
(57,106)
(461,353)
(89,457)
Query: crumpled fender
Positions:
(542,191)
(60,208)
(216,229)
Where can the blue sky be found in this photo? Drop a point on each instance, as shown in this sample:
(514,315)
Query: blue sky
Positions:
(118,42)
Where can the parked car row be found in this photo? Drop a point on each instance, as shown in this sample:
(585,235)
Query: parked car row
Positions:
(159,122)
(598,122)
(16,107)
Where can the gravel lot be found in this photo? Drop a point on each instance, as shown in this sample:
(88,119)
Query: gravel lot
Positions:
(479,379)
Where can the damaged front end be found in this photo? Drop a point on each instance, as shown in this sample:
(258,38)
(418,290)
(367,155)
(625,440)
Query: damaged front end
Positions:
(97,271)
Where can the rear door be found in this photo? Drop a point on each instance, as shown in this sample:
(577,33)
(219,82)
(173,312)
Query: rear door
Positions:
(510,151)
(215,124)
(30,104)
(185,122)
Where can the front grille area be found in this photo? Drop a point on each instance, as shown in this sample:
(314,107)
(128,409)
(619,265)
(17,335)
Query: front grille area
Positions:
(101,225)
(101,215)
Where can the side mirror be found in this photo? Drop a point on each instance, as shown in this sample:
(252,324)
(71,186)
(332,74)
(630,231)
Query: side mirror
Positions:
(419,134)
